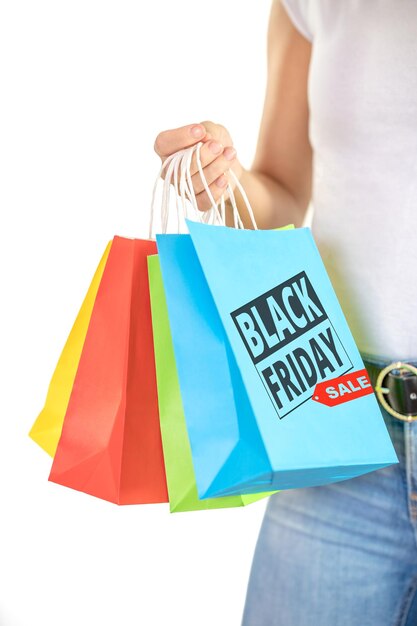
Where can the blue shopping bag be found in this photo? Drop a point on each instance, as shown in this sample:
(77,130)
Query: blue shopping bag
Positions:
(274,389)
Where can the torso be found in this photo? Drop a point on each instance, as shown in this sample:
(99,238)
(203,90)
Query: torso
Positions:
(363,129)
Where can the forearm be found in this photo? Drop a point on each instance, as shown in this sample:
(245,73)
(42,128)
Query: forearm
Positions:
(273,205)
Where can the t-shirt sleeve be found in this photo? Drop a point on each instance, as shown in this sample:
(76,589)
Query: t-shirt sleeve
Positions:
(298,12)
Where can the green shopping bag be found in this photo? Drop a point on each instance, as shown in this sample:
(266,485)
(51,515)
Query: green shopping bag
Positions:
(182,488)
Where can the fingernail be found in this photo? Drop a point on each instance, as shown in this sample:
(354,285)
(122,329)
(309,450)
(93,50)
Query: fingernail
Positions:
(197,131)
(221,182)
(229,153)
(215,147)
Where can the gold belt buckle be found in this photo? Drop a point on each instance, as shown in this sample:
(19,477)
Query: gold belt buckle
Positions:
(380,391)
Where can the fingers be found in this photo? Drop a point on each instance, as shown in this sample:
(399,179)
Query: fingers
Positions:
(215,170)
(217,189)
(208,153)
(216,159)
(213,167)
(219,132)
(170,141)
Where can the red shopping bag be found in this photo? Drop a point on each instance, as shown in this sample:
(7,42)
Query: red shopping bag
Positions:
(110,445)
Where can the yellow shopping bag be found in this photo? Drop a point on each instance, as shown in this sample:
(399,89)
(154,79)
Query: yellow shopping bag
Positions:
(47,428)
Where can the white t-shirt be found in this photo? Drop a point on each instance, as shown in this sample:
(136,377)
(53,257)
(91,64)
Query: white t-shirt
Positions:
(363,130)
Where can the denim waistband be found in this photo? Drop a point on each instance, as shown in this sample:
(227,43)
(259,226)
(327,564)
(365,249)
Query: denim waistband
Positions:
(374,364)
(397,428)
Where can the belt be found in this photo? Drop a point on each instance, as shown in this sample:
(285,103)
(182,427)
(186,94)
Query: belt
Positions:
(396,388)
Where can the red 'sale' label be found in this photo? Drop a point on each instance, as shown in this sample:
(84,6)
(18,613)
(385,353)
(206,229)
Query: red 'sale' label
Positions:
(343,388)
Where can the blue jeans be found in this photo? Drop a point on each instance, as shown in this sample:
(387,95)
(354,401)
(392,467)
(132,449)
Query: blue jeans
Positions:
(343,554)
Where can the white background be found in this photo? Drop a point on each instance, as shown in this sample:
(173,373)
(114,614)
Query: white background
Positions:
(85,87)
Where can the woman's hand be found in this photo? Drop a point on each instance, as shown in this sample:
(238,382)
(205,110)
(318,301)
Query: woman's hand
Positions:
(217,156)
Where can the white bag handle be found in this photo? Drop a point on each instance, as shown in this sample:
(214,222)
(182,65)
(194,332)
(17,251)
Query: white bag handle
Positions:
(178,173)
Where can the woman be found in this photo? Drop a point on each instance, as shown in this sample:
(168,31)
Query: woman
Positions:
(340,127)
